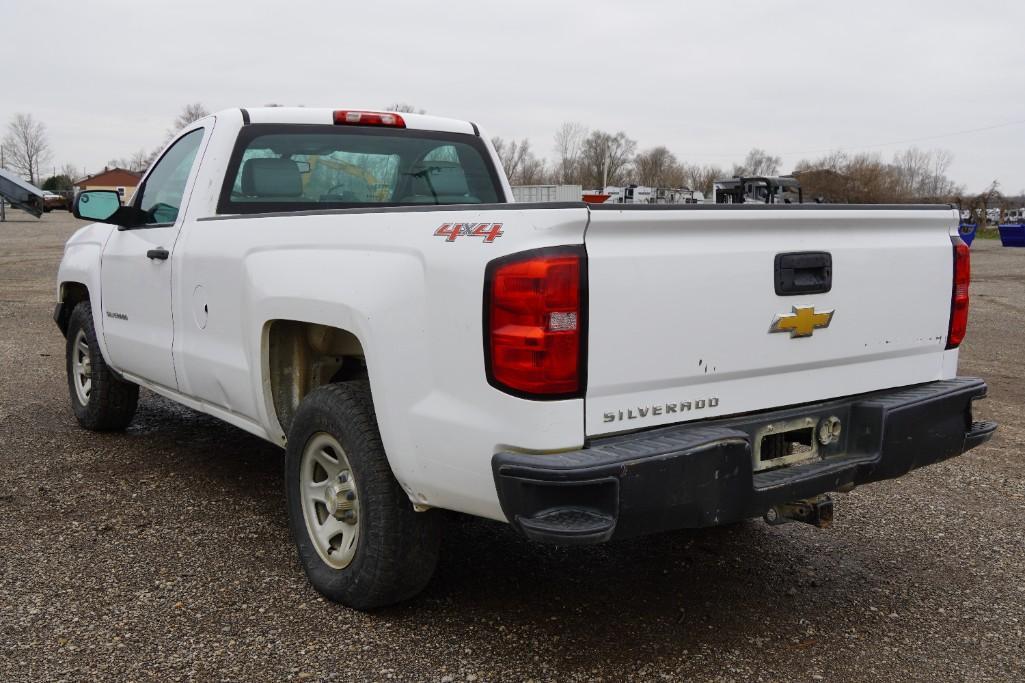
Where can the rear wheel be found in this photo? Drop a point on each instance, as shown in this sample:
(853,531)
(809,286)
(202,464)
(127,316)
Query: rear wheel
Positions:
(102,401)
(359,539)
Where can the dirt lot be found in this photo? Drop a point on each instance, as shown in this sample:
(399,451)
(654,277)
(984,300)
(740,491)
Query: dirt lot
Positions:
(163,553)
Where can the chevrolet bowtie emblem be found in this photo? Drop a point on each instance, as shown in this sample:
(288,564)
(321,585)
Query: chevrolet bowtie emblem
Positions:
(802,322)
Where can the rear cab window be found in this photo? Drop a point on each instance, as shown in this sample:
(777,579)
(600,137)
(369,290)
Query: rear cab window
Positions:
(298,167)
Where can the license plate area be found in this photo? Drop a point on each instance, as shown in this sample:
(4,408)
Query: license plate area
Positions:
(785,442)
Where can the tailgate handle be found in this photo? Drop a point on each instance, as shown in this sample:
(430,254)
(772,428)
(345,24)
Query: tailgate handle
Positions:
(804,272)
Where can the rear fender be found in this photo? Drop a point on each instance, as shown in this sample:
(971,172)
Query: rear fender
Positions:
(276,294)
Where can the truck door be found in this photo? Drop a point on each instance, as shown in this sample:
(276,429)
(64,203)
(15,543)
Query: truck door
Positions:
(136,268)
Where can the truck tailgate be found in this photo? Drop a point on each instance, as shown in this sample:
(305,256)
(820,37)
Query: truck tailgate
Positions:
(681,303)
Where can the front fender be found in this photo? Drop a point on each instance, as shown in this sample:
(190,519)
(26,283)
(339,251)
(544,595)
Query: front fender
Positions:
(81,265)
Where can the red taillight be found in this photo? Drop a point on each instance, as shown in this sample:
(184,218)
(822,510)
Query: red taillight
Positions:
(534,309)
(959,294)
(346,117)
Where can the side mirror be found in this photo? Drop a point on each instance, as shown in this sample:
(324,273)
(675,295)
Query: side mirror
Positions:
(104,206)
(97,205)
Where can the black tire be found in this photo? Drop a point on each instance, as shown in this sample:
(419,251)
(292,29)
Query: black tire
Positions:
(397,547)
(111,401)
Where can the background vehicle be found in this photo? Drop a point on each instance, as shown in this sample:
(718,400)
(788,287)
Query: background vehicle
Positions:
(758,190)
(52,200)
(356,287)
(639,194)
(1015,216)
(547,193)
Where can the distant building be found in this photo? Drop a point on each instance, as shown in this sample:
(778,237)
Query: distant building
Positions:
(122,180)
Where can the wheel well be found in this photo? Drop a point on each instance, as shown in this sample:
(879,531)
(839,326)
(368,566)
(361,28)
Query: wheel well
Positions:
(71,294)
(302,356)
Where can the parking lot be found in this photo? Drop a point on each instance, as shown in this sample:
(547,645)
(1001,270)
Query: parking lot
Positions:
(163,553)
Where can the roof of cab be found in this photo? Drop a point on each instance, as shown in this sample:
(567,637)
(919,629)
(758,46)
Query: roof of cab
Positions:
(325,115)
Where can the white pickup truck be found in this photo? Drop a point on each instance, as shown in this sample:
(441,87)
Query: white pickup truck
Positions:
(358,288)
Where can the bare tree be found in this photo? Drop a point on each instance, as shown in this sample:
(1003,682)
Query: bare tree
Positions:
(514,155)
(977,206)
(138,162)
(937,183)
(569,140)
(533,171)
(856,179)
(26,146)
(658,167)
(701,178)
(758,162)
(189,114)
(404,108)
(922,174)
(605,158)
(914,174)
(870,180)
(72,171)
(911,166)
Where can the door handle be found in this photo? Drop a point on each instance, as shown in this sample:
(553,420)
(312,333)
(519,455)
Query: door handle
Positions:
(804,272)
(159,253)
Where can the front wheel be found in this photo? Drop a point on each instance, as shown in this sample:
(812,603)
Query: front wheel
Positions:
(359,539)
(102,401)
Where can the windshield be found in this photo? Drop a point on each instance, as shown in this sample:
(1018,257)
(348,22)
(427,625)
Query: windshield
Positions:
(298,167)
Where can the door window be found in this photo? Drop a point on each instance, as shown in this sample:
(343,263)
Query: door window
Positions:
(164,189)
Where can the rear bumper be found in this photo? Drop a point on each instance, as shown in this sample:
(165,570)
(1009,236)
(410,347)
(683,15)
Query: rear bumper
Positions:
(702,474)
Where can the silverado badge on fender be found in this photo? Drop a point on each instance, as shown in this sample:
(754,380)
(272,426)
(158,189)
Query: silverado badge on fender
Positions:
(802,322)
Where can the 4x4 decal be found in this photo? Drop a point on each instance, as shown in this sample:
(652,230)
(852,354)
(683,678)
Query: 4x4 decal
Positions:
(450,231)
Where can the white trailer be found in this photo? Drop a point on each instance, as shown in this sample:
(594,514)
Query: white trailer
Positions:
(530,194)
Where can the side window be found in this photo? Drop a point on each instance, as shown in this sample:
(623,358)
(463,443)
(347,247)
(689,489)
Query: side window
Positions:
(162,194)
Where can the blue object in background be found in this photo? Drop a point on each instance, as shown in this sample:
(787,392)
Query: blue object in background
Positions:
(967,232)
(1012,235)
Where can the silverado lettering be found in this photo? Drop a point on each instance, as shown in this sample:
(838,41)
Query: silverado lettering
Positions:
(660,409)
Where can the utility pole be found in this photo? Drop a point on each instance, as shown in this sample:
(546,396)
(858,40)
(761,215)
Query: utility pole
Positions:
(3,204)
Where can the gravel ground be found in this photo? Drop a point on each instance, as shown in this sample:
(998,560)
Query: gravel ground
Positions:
(163,553)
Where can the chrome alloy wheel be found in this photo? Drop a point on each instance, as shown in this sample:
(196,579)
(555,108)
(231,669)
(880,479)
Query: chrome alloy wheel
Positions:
(330,501)
(81,368)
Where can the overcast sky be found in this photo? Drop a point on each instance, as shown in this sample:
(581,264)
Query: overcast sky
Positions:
(709,80)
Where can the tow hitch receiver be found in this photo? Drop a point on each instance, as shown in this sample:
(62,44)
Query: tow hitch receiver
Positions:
(815,511)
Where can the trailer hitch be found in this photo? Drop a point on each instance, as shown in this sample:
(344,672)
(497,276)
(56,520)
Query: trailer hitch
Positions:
(816,511)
